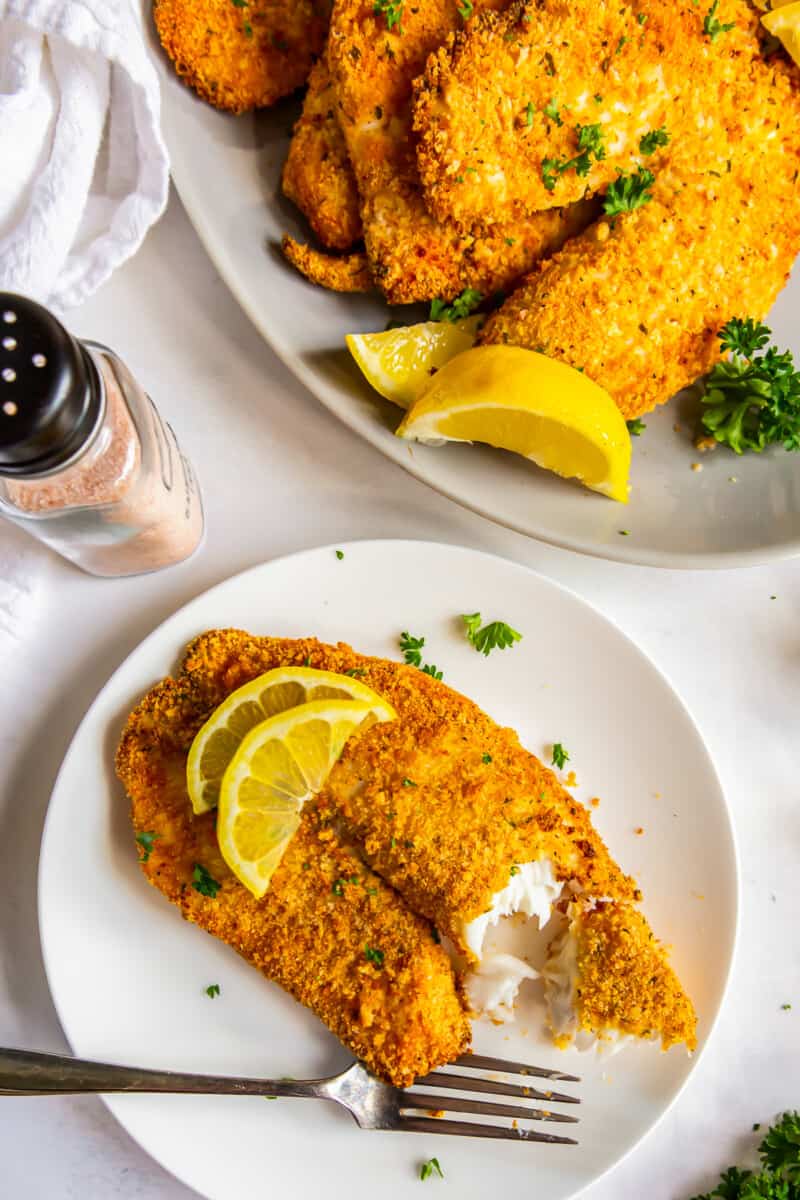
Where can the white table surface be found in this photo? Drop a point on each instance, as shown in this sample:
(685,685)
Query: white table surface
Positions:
(278,474)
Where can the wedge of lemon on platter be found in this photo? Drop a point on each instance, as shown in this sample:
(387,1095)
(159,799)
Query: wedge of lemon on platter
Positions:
(784,24)
(269,694)
(399,362)
(279,765)
(523,401)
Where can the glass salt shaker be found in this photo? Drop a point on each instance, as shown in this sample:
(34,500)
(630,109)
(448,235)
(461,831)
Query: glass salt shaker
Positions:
(86,463)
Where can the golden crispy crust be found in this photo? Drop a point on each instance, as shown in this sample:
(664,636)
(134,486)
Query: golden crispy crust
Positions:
(317,175)
(484,134)
(337,273)
(242,57)
(414,257)
(403,1019)
(624,980)
(448,843)
(638,301)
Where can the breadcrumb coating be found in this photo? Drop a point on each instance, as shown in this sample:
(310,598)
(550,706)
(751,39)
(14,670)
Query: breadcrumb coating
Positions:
(637,301)
(624,982)
(403,1018)
(484,134)
(338,273)
(432,818)
(240,57)
(413,257)
(317,175)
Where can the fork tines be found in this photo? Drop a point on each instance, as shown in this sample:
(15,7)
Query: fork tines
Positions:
(451,1082)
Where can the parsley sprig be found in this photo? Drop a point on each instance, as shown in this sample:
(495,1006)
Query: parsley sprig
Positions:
(204,882)
(497,635)
(752,400)
(374,956)
(590,142)
(650,142)
(779,1177)
(392,10)
(628,192)
(712,26)
(145,841)
(560,756)
(636,427)
(458,309)
(411,649)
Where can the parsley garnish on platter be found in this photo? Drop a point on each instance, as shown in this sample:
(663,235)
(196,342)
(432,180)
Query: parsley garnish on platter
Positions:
(551,110)
(458,309)
(374,956)
(340,554)
(752,399)
(427,1169)
(203,882)
(145,840)
(212,990)
(652,140)
(392,10)
(514,870)
(560,755)
(411,649)
(628,192)
(712,26)
(465,10)
(497,635)
(590,142)
(636,427)
(779,1177)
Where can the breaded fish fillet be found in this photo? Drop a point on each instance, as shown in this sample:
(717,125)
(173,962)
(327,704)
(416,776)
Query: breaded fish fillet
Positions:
(242,56)
(337,273)
(317,175)
(446,828)
(607,978)
(504,106)
(412,256)
(637,301)
(402,1018)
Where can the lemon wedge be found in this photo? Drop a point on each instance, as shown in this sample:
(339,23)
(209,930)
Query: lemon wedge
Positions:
(271,693)
(784,23)
(278,767)
(399,362)
(523,401)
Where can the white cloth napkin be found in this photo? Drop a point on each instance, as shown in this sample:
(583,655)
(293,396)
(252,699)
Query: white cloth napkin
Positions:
(83,169)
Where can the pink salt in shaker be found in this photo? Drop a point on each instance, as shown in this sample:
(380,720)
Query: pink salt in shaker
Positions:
(86,463)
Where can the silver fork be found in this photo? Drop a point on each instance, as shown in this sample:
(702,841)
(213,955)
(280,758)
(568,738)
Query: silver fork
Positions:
(373,1104)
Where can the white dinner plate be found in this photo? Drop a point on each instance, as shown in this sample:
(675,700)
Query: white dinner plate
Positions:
(128,976)
(227,170)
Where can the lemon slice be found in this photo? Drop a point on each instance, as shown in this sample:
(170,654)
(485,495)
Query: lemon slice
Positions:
(399,362)
(784,24)
(523,401)
(278,766)
(269,694)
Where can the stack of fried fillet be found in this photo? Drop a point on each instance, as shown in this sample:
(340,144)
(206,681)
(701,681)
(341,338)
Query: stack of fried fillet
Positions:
(478,144)
(422,826)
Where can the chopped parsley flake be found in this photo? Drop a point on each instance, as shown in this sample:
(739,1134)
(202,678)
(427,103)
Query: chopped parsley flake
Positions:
(465,9)
(458,309)
(641,18)
(551,110)
(486,758)
(248,29)
(712,26)
(514,870)
(145,840)
(429,1168)
(212,990)
(590,142)
(340,554)
(529,111)
(409,783)
(785,1007)
(337,887)
(560,755)
(203,882)
(374,956)
(628,192)
(239,3)
(354,672)
(551,169)
(636,427)
(497,635)
(652,140)
(392,10)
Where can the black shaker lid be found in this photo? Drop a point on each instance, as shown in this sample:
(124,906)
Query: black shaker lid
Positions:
(50,394)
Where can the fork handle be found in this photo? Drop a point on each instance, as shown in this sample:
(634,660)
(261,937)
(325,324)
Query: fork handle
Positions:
(29,1073)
